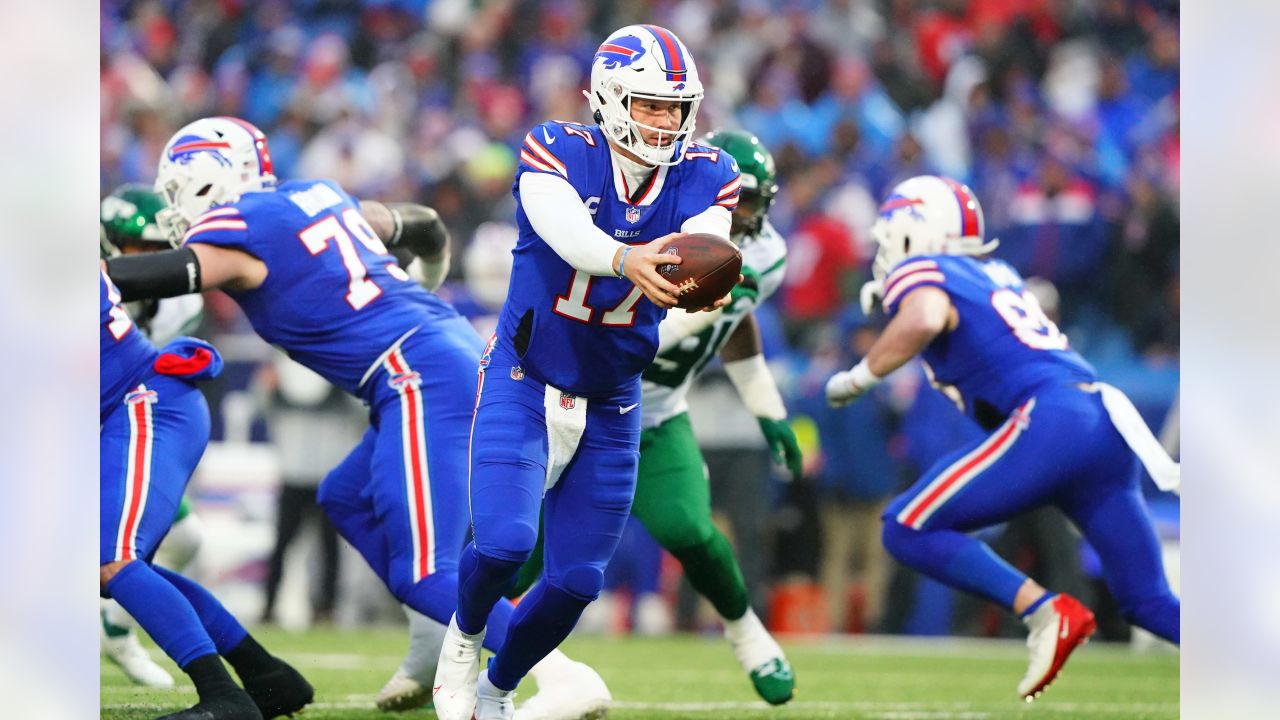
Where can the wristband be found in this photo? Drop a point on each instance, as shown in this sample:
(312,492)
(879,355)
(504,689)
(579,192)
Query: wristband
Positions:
(862,378)
(622,261)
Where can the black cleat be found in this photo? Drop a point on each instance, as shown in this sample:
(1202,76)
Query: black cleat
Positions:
(280,690)
(235,705)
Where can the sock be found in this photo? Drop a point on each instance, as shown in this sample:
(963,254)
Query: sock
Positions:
(162,611)
(540,623)
(714,573)
(210,676)
(1047,596)
(251,659)
(225,631)
(482,581)
(426,636)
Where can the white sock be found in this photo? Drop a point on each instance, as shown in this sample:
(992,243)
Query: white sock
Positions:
(750,640)
(425,638)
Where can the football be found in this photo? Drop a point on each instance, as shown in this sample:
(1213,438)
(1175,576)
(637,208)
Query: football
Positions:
(708,269)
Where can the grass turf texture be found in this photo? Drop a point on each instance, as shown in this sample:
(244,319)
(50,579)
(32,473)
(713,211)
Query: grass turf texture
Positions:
(696,678)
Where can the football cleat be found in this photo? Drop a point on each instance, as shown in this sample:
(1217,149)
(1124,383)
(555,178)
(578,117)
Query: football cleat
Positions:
(403,693)
(1058,627)
(280,691)
(774,681)
(493,703)
(235,705)
(761,658)
(578,693)
(121,647)
(457,674)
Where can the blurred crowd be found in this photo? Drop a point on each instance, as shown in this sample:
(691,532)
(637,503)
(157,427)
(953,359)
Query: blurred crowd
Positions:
(1061,114)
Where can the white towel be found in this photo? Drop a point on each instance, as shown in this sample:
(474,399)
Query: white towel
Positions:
(566,419)
(1166,473)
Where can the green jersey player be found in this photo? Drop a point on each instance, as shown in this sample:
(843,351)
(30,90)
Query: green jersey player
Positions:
(128,225)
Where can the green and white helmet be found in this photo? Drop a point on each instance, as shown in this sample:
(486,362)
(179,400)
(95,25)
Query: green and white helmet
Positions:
(759,178)
(128,218)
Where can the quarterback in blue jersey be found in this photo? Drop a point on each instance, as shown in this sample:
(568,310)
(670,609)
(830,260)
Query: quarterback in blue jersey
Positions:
(154,427)
(315,278)
(1057,435)
(560,380)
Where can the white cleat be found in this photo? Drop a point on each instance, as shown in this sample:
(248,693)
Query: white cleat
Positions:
(577,693)
(402,693)
(1058,627)
(126,652)
(457,674)
(493,703)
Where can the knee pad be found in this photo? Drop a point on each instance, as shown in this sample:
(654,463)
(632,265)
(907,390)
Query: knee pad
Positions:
(506,540)
(583,582)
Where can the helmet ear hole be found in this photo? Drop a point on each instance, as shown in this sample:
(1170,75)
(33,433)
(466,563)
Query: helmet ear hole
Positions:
(906,245)
(204,191)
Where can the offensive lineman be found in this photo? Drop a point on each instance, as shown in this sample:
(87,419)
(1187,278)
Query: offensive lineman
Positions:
(315,278)
(1058,436)
(127,226)
(560,382)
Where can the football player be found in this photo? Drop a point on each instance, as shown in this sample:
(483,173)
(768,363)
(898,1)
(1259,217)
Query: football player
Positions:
(672,492)
(560,379)
(154,428)
(315,278)
(1058,436)
(127,226)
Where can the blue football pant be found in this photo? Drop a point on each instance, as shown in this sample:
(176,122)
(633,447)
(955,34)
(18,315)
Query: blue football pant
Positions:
(585,511)
(1059,448)
(400,496)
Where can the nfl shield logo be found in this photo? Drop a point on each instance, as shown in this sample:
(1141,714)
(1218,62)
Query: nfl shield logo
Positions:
(633,214)
(517,373)
(567,401)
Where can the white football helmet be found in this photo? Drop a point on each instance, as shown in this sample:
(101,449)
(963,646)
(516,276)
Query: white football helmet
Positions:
(925,215)
(644,61)
(212,161)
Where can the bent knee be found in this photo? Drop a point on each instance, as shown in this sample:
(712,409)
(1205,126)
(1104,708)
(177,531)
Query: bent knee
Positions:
(898,539)
(108,570)
(583,582)
(510,541)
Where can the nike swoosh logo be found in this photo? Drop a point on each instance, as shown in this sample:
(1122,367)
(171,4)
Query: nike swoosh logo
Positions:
(623,410)
(1066,629)
(546,136)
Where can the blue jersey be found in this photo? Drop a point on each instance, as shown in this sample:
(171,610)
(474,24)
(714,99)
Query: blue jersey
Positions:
(1003,347)
(125,356)
(584,334)
(334,298)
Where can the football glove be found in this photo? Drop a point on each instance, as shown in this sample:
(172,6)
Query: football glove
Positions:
(747,290)
(783,445)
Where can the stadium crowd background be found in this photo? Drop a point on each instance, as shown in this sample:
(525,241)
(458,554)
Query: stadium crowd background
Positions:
(1063,116)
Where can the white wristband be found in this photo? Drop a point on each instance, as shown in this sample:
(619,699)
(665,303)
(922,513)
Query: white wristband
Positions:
(862,377)
(756,386)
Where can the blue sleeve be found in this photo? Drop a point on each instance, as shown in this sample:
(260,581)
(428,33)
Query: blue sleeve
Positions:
(719,184)
(910,274)
(557,148)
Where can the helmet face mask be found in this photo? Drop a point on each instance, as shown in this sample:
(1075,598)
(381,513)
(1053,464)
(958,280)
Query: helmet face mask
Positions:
(644,62)
(210,162)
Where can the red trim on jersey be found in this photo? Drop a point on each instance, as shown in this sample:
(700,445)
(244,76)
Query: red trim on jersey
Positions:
(138,478)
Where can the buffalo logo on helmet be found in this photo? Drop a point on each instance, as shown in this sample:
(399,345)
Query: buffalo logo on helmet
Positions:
(621,52)
(901,202)
(186,147)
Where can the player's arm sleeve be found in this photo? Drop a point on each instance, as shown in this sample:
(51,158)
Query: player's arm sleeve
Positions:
(558,216)
(745,365)
(164,274)
(715,220)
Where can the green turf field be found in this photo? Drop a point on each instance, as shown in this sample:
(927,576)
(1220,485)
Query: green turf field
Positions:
(697,678)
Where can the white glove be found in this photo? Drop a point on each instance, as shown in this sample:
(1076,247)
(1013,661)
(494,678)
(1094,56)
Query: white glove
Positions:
(848,385)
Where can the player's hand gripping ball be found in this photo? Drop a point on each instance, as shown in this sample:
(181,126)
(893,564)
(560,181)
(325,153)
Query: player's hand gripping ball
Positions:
(708,270)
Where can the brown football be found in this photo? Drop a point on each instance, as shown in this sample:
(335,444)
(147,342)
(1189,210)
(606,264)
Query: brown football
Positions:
(708,269)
